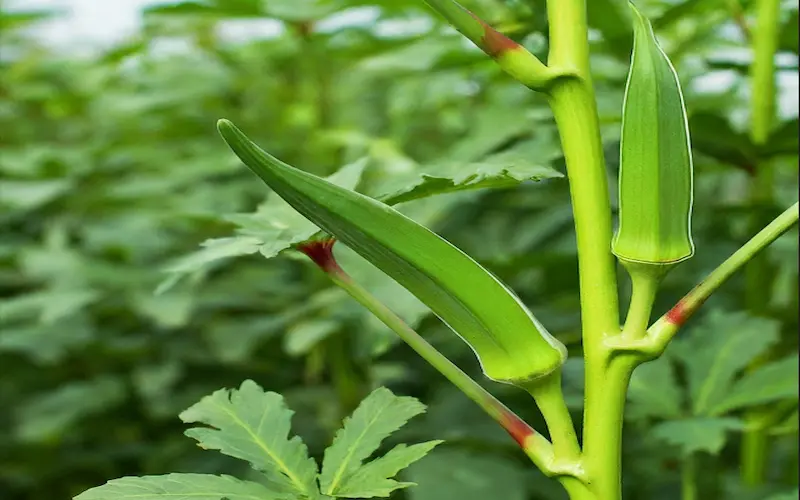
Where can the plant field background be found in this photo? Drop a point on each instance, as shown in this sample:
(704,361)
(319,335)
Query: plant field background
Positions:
(112,173)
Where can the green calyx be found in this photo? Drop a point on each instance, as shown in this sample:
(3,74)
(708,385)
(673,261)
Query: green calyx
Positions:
(510,343)
(655,184)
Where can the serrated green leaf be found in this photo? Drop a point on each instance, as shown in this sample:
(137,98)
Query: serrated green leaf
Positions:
(509,342)
(179,486)
(653,390)
(697,434)
(772,382)
(717,349)
(253,425)
(374,478)
(214,250)
(655,179)
(272,228)
(379,415)
(277,226)
(501,170)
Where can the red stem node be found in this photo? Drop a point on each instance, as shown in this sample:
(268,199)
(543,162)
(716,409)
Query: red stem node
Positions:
(516,427)
(494,43)
(321,252)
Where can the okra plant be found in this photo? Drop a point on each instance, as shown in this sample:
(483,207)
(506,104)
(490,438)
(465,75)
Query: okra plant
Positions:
(653,235)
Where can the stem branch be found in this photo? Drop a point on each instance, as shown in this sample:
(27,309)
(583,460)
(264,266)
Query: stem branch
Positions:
(668,325)
(550,399)
(645,279)
(536,446)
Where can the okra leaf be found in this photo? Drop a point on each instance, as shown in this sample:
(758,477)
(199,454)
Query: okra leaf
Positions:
(772,382)
(253,425)
(500,170)
(717,350)
(194,486)
(693,435)
(374,478)
(379,415)
(272,228)
(509,342)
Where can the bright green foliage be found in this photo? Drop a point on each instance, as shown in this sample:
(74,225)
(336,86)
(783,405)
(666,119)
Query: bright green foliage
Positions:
(713,355)
(194,486)
(655,184)
(772,382)
(111,170)
(510,343)
(373,479)
(717,350)
(697,434)
(379,415)
(271,229)
(275,226)
(253,425)
(501,170)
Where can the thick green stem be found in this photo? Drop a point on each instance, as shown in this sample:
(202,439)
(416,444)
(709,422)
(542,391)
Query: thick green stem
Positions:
(577,490)
(603,425)
(668,325)
(550,399)
(758,276)
(573,103)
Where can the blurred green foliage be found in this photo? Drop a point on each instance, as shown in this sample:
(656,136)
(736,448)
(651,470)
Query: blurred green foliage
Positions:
(111,173)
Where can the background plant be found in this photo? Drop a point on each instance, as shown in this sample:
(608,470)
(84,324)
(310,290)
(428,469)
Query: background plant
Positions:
(95,368)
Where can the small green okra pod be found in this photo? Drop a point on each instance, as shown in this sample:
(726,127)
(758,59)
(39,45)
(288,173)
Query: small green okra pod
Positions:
(655,180)
(510,343)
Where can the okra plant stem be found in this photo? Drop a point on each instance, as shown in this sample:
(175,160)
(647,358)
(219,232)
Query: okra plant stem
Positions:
(644,285)
(550,399)
(575,110)
(668,325)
